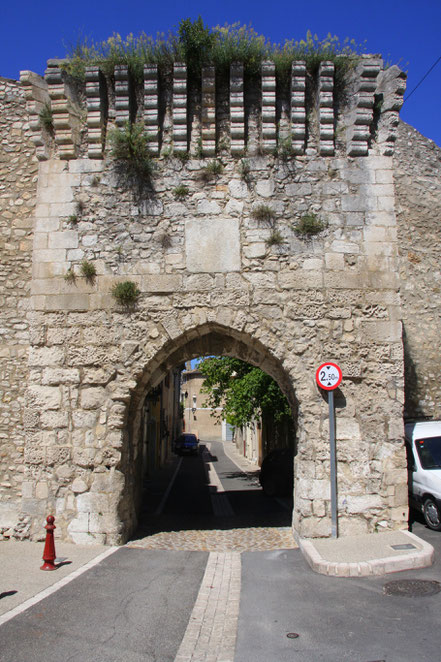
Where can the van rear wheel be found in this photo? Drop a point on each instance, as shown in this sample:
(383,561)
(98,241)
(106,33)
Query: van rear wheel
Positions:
(432,515)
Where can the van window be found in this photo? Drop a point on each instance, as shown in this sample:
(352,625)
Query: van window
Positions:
(429,452)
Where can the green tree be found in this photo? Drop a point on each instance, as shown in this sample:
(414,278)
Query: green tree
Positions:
(243,391)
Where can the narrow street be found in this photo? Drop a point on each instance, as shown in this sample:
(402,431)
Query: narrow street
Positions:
(213,505)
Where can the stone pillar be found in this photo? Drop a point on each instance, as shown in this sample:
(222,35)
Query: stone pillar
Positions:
(208,111)
(151,105)
(180,134)
(237,111)
(269,132)
(325,103)
(298,109)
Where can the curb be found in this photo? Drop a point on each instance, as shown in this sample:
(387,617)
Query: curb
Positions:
(421,558)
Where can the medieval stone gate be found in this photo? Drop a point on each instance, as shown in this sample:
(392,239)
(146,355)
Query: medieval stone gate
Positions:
(213,243)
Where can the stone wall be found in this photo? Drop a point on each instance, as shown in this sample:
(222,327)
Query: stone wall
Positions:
(417,175)
(18,183)
(221,269)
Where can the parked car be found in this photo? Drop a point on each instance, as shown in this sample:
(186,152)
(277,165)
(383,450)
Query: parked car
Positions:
(277,471)
(423,442)
(187,444)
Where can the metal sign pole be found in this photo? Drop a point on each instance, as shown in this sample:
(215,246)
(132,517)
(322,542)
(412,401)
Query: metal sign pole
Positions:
(333,464)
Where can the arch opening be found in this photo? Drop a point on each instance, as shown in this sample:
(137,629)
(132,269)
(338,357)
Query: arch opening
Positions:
(149,436)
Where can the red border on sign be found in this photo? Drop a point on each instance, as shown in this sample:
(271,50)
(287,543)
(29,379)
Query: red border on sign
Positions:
(340,376)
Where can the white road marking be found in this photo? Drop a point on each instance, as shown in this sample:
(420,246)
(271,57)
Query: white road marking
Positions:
(160,508)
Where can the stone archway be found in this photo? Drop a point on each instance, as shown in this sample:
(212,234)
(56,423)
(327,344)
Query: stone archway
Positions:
(207,339)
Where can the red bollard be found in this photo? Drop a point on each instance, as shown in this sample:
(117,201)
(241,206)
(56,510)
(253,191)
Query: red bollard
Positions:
(49,555)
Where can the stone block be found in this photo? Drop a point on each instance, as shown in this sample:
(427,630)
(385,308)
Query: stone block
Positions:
(301,280)
(41,490)
(265,188)
(55,193)
(358,203)
(92,398)
(41,286)
(8,514)
(208,207)
(212,246)
(255,250)
(313,264)
(79,524)
(238,189)
(73,301)
(45,356)
(79,486)
(363,503)
(66,239)
(234,207)
(54,419)
(45,397)
(160,283)
(335,261)
(348,428)
(49,255)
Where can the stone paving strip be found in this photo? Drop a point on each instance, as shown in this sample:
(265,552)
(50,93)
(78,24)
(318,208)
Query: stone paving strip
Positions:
(212,629)
(220,540)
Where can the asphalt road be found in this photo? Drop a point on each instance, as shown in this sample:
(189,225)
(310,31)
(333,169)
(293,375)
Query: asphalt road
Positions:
(132,607)
(336,620)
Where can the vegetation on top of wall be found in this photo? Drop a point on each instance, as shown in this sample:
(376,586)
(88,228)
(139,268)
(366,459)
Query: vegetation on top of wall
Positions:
(198,45)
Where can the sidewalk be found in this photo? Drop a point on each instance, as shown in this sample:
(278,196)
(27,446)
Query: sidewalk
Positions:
(22,583)
(356,556)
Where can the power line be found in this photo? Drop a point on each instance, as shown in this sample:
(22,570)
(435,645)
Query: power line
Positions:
(423,78)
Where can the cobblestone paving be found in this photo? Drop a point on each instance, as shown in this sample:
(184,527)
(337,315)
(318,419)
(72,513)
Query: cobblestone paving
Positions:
(212,630)
(220,540)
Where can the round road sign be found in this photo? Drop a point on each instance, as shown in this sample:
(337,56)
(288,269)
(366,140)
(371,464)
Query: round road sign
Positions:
(328,376)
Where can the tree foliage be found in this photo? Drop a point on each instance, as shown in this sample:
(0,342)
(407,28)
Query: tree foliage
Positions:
(244,392)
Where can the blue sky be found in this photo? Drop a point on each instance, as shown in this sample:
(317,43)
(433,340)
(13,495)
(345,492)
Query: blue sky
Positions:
(405,32)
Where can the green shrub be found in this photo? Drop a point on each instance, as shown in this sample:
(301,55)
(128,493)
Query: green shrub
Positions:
(46,118)
(72,219)
(275,239)
(284,148)
(70,276)
(88,270)
(126,293)
(263,214)
(129,147)
(245,170)
(212,170)
(181,191)
(309,225)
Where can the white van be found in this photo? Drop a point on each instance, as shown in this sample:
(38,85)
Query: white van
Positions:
(423,442)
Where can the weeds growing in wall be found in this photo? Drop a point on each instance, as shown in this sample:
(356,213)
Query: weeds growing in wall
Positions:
(129,148)
(126,293)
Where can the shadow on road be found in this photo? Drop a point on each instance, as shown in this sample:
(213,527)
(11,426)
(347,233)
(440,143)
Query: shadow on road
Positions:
(189,505)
